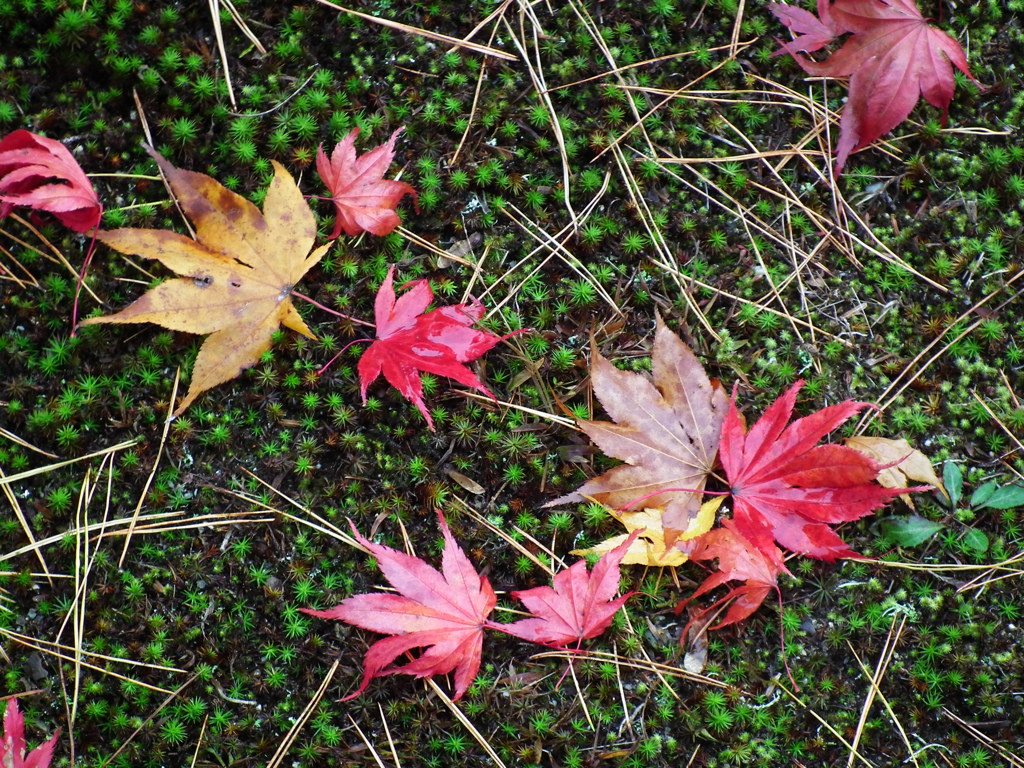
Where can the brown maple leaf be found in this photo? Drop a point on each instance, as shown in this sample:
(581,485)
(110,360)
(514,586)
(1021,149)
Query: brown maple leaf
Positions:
(237,276)
(666,432)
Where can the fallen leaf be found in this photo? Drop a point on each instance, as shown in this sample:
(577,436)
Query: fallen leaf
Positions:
(899,463)
(238,274)
(577,607)
(666,432)
(364,201)
(649,547)
(738,560)
(893,58)
(12,747)
(444,612)
(787,488)
(410,343)
(27,160)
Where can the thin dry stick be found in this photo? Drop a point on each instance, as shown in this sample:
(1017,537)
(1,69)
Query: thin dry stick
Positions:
(6,274)
(657,239)
(924,366)
(1008,756)
(828,727)
(300,721)
(479,86)
(12,499)
(25,444)
(874,683)
(563,253)
(59,257)
(452,41)
(152,472)
(65,653)
(387,733)
(646,666)
(998,421)
(368,742)
(561,237)
(537,78)
(11,479)
(595,34)
(240,23)
(461,717)
(199,742)
(219,34)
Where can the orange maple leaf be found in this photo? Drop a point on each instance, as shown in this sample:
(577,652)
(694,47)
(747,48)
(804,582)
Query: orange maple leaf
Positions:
(237,275)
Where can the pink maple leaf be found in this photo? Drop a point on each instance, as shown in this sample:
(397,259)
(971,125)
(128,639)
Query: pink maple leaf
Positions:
(364,200)
(444,612)
(27,162)
(13,749)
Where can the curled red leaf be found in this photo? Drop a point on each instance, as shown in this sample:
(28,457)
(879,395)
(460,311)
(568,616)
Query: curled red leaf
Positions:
(27,162)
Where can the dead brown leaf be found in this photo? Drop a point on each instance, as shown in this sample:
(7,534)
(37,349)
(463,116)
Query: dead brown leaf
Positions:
(666,432)
(237,275)
(907,462)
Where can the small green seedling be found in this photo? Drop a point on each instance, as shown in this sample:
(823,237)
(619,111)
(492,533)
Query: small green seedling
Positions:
(914,530)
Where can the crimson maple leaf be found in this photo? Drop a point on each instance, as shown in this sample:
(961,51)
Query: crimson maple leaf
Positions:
(788,488)
(409,342)
(892,59)
(738,560)
(26,162)
(364,200)
(12,747)
(578,607)
(444,612)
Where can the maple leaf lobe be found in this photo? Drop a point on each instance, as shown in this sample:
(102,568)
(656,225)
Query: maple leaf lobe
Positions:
(13,748)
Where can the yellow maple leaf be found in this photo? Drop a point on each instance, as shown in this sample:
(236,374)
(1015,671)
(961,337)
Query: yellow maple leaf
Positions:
(237,275)
(649,547)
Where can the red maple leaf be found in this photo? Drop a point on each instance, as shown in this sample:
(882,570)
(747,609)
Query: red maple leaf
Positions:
(27,161)
(364,200)
(892,59)
(410,343)
(738,560)
(444,612)
(787,488)
(12,747)
(578,607)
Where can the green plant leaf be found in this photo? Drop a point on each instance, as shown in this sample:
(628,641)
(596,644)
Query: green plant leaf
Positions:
(1006,497)
(909,531)
(976,541)
(953,479)
(983,494)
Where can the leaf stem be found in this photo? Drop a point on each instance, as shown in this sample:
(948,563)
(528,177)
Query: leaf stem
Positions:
(315,303)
